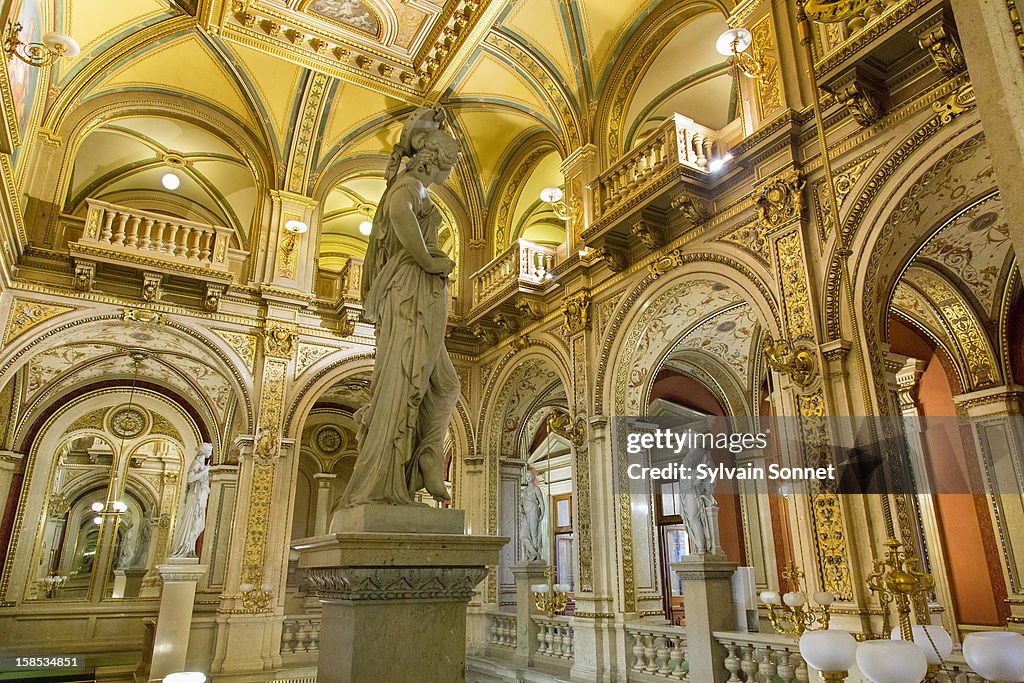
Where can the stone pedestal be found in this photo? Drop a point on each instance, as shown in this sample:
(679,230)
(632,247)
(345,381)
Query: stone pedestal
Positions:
(707,592)
(526,631)
(127,582)
(394,597)
(170,643)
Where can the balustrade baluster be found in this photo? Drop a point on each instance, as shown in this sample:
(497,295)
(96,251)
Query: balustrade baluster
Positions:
(768,667)
(205,248)
(119,231)
(144,239)
(171,243)
(732,663)
(193,244)
(132,233)
(784,668)
(676,658)
(801,668)
(661,653)
(638,652)
(108,225)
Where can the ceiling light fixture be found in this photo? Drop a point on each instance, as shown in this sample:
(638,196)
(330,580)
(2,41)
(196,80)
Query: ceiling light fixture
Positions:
(170,181)
(365,228)
(733,44)
(51,47)
(296,227)
(554,196)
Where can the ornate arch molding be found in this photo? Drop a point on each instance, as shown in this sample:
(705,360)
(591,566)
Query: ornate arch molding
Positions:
(629,317)
(330,373)
(637,52)
(83,120)
(17,356)
(525,160)
(910,219)
(899,167)
(714,375)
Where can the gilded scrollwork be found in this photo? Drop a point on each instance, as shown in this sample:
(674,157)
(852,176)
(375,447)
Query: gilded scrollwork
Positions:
(26,314)
(279,340)
(576,312)
(780,199)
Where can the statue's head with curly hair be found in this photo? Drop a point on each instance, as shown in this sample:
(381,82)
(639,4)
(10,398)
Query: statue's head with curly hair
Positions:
(435,154)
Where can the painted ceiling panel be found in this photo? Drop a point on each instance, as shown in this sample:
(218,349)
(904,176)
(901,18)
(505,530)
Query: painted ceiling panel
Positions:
(540,23)
(604,23)
(93,23)
(690,51)
(276,81)
(707,103)
(174,66)
(491,133)
(353,106)
(547,173)
(491,78)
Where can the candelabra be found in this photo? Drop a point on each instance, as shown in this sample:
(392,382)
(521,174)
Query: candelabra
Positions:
(898,579)
(781,356)
(792,614)
(53,583)
(733,44)
(551,598)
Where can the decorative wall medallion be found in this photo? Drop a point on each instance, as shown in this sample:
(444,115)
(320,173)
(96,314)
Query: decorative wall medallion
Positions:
(127,422)
(329,439)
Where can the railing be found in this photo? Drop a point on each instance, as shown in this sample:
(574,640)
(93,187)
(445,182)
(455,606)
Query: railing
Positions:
(657,651)
(554,637)
(501,630)
(130,231)
(524,262)
(679,142)
(351,279)
(762,656)
(300,634)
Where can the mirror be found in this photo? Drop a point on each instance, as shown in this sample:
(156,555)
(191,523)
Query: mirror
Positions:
(70,534)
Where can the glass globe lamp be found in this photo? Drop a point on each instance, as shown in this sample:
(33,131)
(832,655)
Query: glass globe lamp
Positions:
(830,652)
(996,656)
(891,661)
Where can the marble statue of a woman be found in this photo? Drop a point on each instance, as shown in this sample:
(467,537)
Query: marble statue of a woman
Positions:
(533,524)
(192,520)
(697,503)
(405,293)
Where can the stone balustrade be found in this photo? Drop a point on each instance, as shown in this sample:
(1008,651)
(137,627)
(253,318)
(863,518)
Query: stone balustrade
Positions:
(763,656)
(680,142)
(154,238)
(523,263)
(870,13)
(554,637)
(501,630)
(351,279)
(300,634)
(657,652)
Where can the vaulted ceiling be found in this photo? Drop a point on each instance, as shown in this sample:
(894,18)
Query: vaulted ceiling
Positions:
(514,74)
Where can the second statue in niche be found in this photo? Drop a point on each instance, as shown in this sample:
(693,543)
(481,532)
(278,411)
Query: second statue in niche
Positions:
(405,293)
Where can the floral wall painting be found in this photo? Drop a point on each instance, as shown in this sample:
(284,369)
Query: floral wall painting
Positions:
(352,13)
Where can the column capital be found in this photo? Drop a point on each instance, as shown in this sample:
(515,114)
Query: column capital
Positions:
(323,479)
(1004,400)
(11,461)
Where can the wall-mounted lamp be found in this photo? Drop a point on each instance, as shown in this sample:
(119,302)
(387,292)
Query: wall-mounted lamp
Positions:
(733,44)
(50,48)
(296,227)
(553,196)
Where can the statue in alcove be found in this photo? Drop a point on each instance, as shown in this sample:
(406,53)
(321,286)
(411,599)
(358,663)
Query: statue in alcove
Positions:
(533,505)
(698,506)
(192,521)
(405,294)
(129,544)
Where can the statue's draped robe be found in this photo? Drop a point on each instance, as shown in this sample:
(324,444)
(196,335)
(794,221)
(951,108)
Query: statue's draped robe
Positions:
(192,521)
(414,387)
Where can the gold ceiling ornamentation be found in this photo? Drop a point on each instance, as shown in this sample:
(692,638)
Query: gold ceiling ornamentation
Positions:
(956,103)
(26,314)
(309,354)
(304,136)
(576,310)
(780,199)
(279,340)
(242,344)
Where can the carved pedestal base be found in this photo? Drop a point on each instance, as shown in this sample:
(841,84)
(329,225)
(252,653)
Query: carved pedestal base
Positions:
(707,590)
(128,582)
(394,604)
(526,630)
(177,598)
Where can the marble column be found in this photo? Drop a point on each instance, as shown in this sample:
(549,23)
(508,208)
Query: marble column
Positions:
(707,587)
(324,482)
(526,630)
(995,420)
(394,588)
(174,622)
